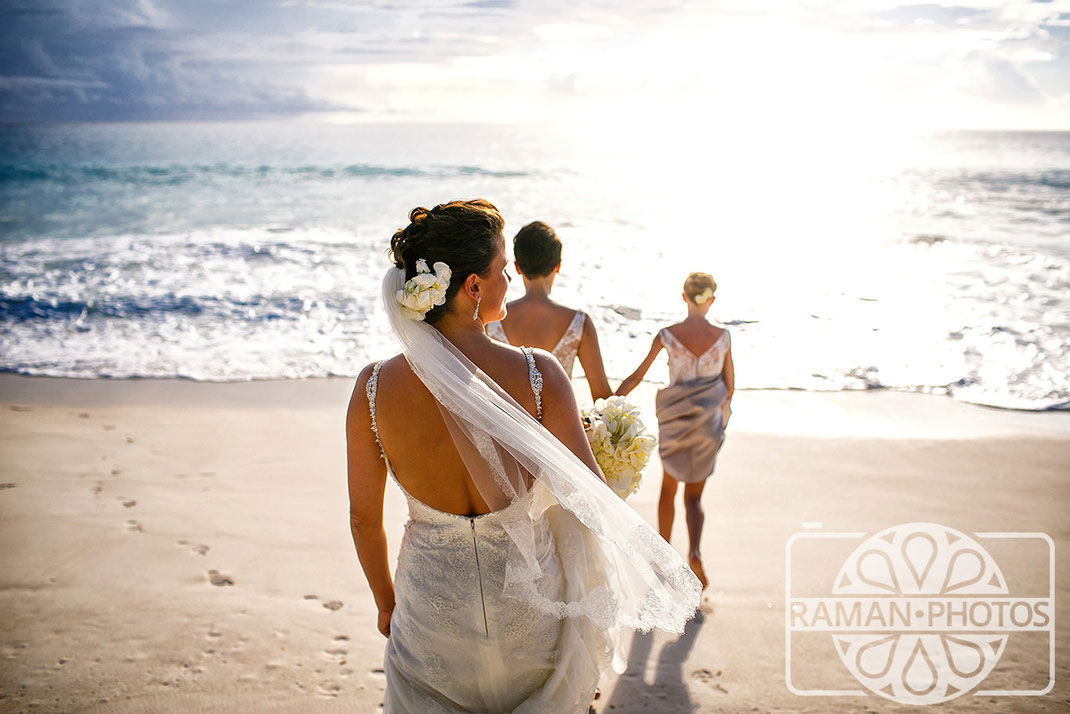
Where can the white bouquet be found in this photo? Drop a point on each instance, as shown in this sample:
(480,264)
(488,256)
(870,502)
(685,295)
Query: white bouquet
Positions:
(620,442)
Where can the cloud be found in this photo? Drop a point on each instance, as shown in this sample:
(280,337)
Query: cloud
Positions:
(504,60)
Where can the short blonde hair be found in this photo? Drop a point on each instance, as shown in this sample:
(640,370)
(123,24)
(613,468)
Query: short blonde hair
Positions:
(697,284)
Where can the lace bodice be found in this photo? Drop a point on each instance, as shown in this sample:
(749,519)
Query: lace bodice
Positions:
(685,366)
(566,348)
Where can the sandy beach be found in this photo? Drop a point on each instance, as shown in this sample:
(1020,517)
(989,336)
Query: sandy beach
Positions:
(179,546)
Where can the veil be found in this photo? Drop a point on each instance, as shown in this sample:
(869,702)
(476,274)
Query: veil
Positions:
(619,572)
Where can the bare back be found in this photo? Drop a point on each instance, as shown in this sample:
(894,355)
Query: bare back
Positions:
(418,443)
(538,324)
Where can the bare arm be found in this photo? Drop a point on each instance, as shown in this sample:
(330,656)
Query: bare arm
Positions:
(633,380)
(728,374)
(591,358)
(367,484)
(561,414)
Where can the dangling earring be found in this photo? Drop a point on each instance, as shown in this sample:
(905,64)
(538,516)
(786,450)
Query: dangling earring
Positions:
(475,315)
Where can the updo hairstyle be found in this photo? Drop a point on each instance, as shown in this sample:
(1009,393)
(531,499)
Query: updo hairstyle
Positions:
(537,250)
(697,283)
(462,234)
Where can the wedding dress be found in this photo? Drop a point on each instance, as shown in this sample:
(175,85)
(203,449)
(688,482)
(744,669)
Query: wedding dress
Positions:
(517,610)
(566,348)
(689,410)
(454,645)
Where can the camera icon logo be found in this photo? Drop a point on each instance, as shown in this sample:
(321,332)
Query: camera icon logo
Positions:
(918,613)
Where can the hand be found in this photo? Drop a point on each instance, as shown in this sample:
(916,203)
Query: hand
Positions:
(384,621)
(726,413)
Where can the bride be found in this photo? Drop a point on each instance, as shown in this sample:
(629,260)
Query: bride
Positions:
(518,567)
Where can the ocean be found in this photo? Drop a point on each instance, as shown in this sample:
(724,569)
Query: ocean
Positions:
(937,263)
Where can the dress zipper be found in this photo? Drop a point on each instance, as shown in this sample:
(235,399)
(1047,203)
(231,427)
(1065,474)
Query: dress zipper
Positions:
(479,573)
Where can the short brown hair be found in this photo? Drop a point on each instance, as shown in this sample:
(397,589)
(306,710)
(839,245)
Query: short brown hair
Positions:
(537,250)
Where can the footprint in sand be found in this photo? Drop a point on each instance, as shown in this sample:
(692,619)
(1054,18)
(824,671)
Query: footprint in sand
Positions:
(329,689)
(336,653)
(134,527)
(198,548)
(130,440)
(129,504)
(333,605)
(706,676)
(4,486)
(311,597)
(83,415)
(20,408)
(217,578)
(341,638)
(109,427)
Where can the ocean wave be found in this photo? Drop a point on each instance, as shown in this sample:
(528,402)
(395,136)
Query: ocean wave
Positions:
(177,174)
(235,305)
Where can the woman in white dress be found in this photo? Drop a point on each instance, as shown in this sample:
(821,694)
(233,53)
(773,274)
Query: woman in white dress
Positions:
(518,567)
(537,321)
(692,411)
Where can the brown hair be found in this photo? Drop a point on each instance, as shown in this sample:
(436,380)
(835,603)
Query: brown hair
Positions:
(537,250)
(697,283)
(462,234)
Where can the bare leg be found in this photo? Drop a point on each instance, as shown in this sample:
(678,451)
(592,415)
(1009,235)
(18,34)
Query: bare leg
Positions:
(695,518)
(666,511)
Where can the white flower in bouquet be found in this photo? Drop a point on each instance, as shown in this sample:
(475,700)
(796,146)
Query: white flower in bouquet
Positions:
(620,442)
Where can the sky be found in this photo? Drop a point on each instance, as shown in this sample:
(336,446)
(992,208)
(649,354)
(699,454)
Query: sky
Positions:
(975,64)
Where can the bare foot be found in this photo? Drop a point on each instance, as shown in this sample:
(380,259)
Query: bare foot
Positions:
(696,565)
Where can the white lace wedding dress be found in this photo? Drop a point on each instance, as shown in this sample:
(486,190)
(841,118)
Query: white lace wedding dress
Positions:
(520,609)
(456,644)
(566,348)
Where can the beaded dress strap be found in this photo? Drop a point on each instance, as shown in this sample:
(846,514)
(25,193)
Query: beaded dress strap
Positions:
(535,377)
(370,389)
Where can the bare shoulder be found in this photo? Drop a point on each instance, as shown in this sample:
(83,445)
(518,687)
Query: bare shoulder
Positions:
(553,374)
(357,413)
(358,400)
(588,324)
(671,329)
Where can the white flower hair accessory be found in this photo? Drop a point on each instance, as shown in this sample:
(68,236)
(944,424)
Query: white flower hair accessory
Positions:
(423,291)
(703,297)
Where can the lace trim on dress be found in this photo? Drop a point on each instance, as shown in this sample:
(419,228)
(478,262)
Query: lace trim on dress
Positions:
(567,346)
(685,365)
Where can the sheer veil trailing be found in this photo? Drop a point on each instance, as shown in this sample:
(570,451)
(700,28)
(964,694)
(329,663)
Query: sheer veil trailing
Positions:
(619,573)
